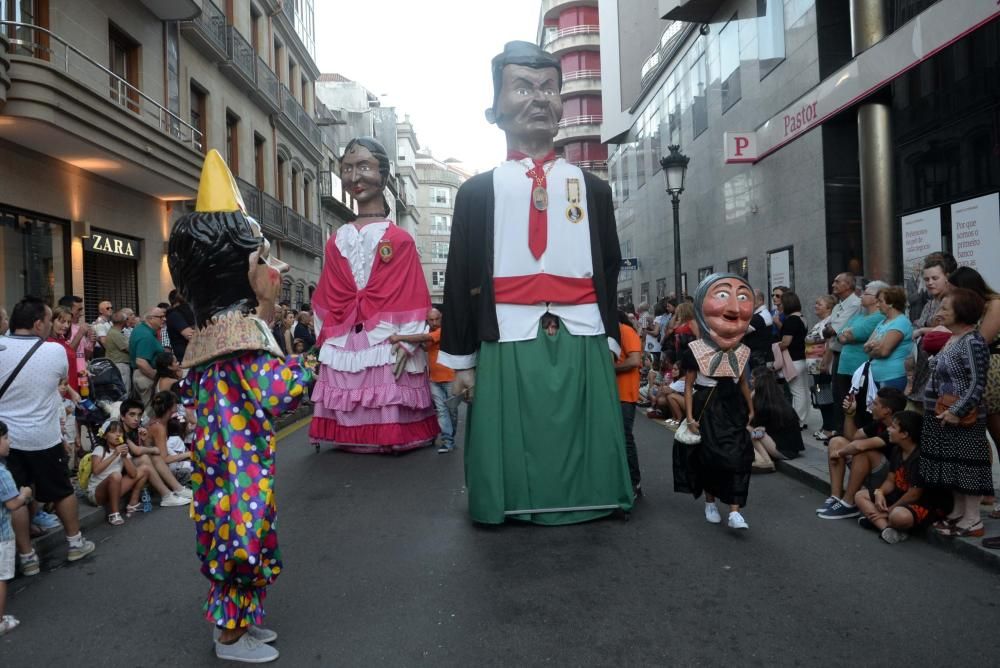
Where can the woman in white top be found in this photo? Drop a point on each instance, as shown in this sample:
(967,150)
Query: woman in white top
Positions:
(113,475)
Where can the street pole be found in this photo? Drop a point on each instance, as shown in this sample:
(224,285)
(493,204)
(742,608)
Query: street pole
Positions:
(676,199)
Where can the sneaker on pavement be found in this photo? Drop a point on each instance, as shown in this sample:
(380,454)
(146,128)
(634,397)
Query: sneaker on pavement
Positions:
(258,632)
(893,536)
(736,521)
(445,449)
(247,649)
(839,511)
(80,550)
(712,513)
(46,521)
(185,492)
(830,500)
(174,499)
(30,565)
(866,523)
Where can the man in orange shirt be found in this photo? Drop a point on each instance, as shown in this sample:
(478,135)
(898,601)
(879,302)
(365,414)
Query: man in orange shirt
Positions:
(441,379)
(627,375)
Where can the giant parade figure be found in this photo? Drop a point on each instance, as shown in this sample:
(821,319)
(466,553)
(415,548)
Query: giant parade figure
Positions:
(237,383)
(372,394)
(534,240)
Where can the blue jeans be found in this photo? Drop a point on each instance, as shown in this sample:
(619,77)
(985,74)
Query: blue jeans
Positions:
(447,417)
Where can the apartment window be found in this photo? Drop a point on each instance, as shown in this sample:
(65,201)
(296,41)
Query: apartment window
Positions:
(729,62)
(661,288)
(172,65)
(307,187)
(255,30)
(437,279)
(300,295)
(304,92)
(441,225)
(279,54)
(123,57)
(296,177)
(770,35)
(199,103)
(258,160)
(281,179)
(293,77)
(286,290)
(644,293)
(439,251)
(233,142)
(440,197)
(32,43)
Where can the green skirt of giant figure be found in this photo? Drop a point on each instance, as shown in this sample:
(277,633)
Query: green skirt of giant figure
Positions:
(545,432)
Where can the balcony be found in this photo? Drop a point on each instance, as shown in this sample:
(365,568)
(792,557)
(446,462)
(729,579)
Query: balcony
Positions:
(4,66)
(579,127)
(301,233)
(66,104)
(241,65)
(597,167)
(574,38)
(268,91)
(581,81)
(251,198)
(272,218)
(297,121)
(207,31)
(551,9)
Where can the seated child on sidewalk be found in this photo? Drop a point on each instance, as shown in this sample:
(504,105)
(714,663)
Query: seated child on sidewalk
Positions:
(11,499)
(176,434)
(899,504)
(775,430)
(113,475)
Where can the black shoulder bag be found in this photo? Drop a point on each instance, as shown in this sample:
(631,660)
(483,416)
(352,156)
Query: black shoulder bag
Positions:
(20,365)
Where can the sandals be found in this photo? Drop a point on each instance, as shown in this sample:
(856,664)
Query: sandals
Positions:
(131,510)
(975,531)
(115,519)
(8,623)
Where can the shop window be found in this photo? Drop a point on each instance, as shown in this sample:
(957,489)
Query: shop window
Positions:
(34,257)
(740,267)
(770,35)
(661,288)
(704,273)
(729,62)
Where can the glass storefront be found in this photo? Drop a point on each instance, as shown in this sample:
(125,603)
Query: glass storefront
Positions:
(34,256)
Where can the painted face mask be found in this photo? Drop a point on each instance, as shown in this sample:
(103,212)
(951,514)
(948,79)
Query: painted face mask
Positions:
(723,306)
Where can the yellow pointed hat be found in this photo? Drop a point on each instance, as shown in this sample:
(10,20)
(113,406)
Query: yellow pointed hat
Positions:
(217,190)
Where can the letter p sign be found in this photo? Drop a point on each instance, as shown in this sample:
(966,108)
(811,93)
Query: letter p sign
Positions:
(741,147)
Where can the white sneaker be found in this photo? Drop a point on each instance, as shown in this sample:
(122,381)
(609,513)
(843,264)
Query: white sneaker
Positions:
(893,536)
(185,492)
(259,632)
(736,521)
(712,513)
(247,649)
(173,499)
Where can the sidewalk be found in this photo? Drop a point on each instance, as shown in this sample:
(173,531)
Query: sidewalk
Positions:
(811,468)
(91,516)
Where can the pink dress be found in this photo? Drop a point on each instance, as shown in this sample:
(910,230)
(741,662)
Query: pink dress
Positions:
(372,287)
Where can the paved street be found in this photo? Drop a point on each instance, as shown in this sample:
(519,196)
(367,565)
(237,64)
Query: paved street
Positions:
(384,568)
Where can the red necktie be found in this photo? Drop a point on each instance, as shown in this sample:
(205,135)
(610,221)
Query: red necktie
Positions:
(538,221)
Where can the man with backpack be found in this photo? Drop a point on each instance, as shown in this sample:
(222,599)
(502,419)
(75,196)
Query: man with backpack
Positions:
(30,371)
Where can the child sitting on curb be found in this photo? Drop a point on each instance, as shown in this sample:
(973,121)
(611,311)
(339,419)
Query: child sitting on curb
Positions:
(11,499)
(899,505)
(114,475)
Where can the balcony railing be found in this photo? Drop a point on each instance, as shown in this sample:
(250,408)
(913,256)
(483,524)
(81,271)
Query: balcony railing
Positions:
(592,119)
(302,233)
(77,65)
(296,115)
(241,54)
(592,164)
(267,84)
(581,74)
(572,30)
(251,198)
(210,25)
(272,219)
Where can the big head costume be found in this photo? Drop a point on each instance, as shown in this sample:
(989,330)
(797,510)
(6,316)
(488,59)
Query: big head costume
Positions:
(371,396)
(534,237)
(237,384)
(717,378)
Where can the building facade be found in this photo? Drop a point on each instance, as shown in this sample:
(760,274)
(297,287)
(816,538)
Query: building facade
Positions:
(439,183)
(768,98)
(104,123)
(570,30)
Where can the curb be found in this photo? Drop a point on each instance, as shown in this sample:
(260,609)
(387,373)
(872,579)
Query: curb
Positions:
(91,516)
(967,548)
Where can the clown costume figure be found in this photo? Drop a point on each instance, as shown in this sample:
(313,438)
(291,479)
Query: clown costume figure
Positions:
(717,400)
(237,383)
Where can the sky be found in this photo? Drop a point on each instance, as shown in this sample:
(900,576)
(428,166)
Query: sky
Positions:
(431,60)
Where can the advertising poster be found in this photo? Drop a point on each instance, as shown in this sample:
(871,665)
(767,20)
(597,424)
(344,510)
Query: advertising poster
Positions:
(780,269)
(975,234)
(921,236)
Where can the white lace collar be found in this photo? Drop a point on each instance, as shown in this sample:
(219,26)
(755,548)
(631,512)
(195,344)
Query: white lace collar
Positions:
(358,246)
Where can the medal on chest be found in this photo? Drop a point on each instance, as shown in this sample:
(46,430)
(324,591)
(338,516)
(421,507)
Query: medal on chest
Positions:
(384,250)
(540,198)
(574,212)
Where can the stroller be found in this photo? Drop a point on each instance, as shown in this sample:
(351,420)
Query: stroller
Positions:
(106,389)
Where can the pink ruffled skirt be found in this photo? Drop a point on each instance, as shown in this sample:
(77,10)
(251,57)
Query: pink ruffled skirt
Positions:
(370,411)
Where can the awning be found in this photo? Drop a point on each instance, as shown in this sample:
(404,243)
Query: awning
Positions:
(173,10)
(691,11)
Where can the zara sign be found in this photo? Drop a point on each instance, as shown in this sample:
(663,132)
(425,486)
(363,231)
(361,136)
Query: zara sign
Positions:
(110,244)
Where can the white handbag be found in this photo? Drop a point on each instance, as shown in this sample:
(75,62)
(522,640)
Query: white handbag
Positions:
(684,433)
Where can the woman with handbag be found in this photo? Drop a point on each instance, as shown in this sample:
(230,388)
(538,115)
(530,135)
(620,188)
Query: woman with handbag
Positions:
(712,448)
(821,383)
(793,340)
(955,455)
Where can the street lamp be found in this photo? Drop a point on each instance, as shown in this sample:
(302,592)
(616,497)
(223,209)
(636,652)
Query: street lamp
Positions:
(675,168)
